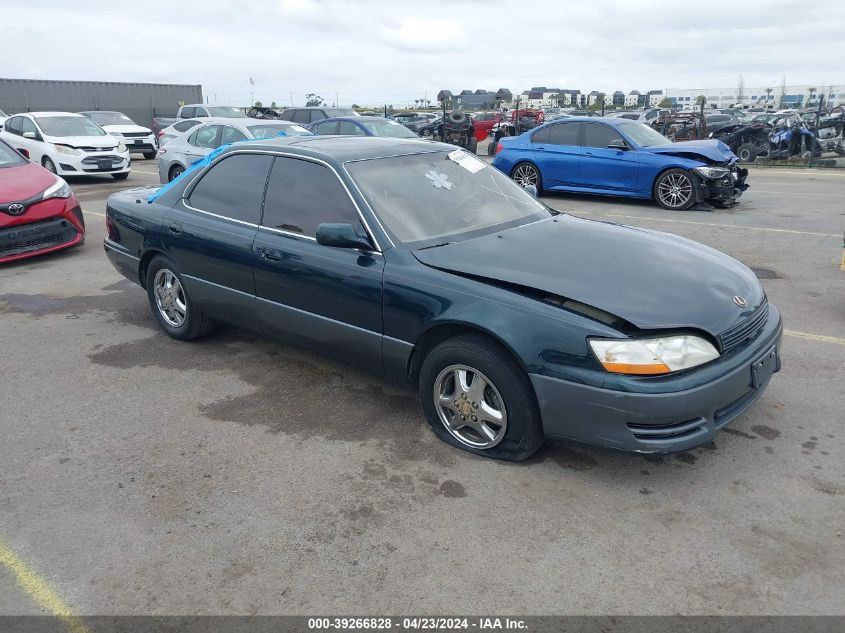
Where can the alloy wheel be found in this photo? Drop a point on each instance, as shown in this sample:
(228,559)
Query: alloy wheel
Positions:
(470,406)
(170,298)
(675,190)
(525,175)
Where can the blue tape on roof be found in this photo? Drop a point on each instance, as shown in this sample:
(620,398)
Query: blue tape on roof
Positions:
(206,161)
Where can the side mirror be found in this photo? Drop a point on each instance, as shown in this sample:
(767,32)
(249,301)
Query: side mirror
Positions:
(619,144)
(31,135)
(24,152)
(532,189)
(341,236)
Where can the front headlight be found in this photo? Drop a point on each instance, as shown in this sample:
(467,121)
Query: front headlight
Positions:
(66,149)
(121,147)
(651,356)
(59,189)
(712,173)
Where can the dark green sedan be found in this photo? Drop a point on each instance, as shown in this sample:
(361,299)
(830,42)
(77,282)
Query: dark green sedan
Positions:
(417,259)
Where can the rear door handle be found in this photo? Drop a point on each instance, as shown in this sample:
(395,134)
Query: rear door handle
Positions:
(541,149)
(271,254)
(175,228)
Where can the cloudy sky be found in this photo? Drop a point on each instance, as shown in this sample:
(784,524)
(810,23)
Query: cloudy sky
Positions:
(389,51)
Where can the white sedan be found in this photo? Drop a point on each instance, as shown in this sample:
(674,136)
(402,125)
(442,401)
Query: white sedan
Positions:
(138,139)
(67,144)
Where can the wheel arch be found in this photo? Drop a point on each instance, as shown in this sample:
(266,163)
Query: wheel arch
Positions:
(664,168)
(144,263)
(442,331)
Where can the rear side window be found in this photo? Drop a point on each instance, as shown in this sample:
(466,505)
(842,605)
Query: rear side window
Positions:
(301,116)
(13,125)
(329,127)
(302,195)
(184,126)
(564,134)
(542,135)
(205,137)
(188,113)
(598,135)
(233,187)
(231,135)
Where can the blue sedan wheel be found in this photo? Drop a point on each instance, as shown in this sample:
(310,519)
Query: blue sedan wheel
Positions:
(675,190)
(526,175)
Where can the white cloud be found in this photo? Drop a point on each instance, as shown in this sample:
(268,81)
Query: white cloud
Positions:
(422,34)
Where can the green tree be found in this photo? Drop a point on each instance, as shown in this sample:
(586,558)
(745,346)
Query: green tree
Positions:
(666,102)
(312,100)
(257,104)
(700,99)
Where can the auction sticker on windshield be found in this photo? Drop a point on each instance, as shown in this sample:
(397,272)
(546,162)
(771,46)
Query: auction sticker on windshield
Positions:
(467,161)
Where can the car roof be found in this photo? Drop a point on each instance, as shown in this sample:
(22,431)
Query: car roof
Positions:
(87,112)
(318,108)
(49,114)
(243,122)
(341,149)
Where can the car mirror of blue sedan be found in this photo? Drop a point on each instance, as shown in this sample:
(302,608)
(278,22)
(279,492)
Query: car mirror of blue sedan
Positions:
(619,144)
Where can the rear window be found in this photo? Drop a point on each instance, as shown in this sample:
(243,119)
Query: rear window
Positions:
(226,111)
(233,187)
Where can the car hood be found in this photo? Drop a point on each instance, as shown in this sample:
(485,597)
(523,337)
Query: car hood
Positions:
(123,129)
(23,182)
(710,148)
(651,279)
(106,141)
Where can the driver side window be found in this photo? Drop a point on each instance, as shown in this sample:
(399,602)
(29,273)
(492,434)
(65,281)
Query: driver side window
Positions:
(28,126)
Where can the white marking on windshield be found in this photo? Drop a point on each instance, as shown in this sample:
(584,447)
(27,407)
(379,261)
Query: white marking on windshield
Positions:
(439,181)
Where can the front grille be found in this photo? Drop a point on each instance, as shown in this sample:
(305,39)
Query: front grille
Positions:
(97,149)
(661,433)
(45,235)
(94,160)
(136,134)
(733,337)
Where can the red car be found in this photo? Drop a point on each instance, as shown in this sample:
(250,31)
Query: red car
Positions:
(484,122)
(38,211)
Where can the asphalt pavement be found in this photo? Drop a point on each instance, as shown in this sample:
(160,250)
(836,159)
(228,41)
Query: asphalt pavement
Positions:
(237,475)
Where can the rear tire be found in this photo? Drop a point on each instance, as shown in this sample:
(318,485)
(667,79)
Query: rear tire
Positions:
(522,175)
(123,176)
(175,172)
(472,146)
(150,155)
(171,303)
(501,415)
(674,190)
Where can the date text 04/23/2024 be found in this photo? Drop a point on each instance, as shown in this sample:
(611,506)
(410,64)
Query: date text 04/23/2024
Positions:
(416,623)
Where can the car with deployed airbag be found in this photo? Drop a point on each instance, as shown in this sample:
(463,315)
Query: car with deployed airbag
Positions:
(618,157)
(416,259)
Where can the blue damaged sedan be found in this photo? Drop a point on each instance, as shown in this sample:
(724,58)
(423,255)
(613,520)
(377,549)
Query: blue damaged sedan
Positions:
(618,157)
(416,259)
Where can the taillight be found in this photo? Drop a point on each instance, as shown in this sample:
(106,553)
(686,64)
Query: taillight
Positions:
(499,148)
(160,134)
(161,151)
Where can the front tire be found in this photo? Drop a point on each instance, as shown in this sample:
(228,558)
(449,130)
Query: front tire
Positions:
(674,190)
(525,174)
(171,304)
(175,172)
(150,155)
(747,152)
(49,165)
(122,176)
(476,398)
(472,146)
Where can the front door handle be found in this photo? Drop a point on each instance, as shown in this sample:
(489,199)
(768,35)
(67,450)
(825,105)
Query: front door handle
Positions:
(175,228)
(271,254)
(540,149)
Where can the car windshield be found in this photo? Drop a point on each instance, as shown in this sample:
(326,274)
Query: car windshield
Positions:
(269,130)
(109,118)
(9,157)
(643,135)
(442,195)
(227,112)
(388,128)
(69,126)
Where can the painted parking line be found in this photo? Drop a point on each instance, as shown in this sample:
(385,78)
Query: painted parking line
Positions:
(40,591)
(816,337)
(716,224)
(102,215)
(803,193)
(798,172)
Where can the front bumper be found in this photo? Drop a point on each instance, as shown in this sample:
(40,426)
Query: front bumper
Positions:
(667,421)
(43,236)
(145,144)
(724,191)
(92,163)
